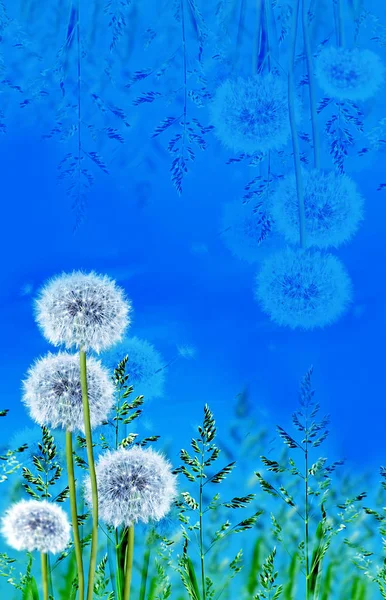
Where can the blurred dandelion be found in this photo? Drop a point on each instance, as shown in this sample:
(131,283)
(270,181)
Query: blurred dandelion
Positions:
(333,208)
(134,485)
(53,393)
(87,311)
(244,228)
(251,115)
(145,366)
(349,74)
(36,525)
(304,289)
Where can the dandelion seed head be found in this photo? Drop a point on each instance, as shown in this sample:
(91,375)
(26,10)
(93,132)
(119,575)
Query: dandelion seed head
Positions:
(53,393)
(349,74)
(333,208)
(79,310)
(303,289)
(36,525)
(251,115)
(145,366)
(134,484)
(245,227)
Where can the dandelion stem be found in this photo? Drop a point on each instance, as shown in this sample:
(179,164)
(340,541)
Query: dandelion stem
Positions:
(294,133)
(44,562)
(129,562)
(311,85)
(145,572)
(339,22)
(120,565)
(74,513)
(93,480)
(259,7)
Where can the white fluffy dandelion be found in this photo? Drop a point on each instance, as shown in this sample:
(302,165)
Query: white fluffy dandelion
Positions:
(251,115)
(134,484)
(299,288)
(79,310)
(349,74)
(145,366)
(36,525)
(332,204)
(53,393)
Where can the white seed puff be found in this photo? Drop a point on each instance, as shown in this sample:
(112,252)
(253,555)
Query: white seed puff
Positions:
(36,525)
(80,310)
(53,392)
(134,484)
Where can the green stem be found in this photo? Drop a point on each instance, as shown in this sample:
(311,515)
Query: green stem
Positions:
(129,562)
(311,85)
(93,480)
(44,563)
(74,513)
(306,519)
(144,573)
(202,555)
(110,557)
(339,19)
(120,556)
(292,116)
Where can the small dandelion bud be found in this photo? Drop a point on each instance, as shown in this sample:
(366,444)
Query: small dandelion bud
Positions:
(36,525)
(134,484)
(81,310)
(304,289)
(53,392)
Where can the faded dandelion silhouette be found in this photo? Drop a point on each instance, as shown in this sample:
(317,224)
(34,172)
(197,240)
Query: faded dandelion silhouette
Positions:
(332,204)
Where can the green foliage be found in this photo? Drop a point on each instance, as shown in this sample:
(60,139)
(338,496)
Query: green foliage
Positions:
(48,471)
(126,412)
(197,469)
(269,588)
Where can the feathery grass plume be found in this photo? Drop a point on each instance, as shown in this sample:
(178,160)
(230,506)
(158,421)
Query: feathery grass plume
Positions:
(145,365)
(245,226)
(304,289)
(9,463)
(349,74)
(126,410)
(53,393)
(198,471)
(332,204)
(268,575)
(36,525)
(134,484)
(42,477)
(80,310)
(251,115)
(311,500)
